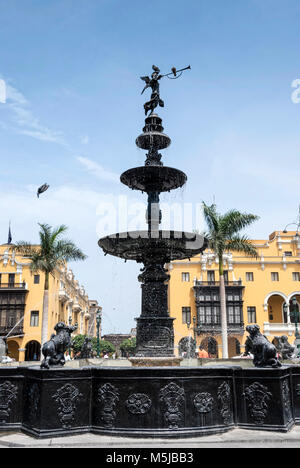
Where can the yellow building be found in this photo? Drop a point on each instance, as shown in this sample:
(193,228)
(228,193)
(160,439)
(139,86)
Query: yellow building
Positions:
(21,304)
(257,291)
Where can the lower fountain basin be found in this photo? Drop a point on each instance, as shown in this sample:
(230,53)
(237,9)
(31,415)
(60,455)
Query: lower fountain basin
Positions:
(154,178)
(159,246)
(148,402)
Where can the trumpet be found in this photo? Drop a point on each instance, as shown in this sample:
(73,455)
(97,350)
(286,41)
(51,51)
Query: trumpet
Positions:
(174,71)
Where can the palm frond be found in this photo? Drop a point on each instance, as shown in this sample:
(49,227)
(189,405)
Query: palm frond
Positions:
(68,251)
(211,217)
(26,248)
(243,245)
(223,231)
(52,250)
(233,222)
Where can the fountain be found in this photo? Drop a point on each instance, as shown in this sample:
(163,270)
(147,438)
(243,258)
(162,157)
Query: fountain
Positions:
(156,396)
(154,248)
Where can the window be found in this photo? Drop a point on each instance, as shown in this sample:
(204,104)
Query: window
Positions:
(11,320)
(34,319)
(225,273)
(288,254)
(185,277)
(186,315)
(251,311)
(211,277)
(296,276)
(249,276)
(11,279)
(234,315)
(275,276)
(36,279)
(208,315)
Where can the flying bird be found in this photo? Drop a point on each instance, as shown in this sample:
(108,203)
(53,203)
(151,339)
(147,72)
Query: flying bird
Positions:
(42,189)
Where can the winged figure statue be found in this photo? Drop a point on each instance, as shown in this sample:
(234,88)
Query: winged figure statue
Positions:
(153,83)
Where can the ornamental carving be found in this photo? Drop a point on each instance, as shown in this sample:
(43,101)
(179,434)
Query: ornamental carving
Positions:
(172,397)
(108,397)
(8,394)
(204,403)
(67,397)
(224,399)
(139,403)
(258,397)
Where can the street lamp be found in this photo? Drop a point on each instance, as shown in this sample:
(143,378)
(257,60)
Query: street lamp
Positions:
(98,321)
(70,323)
(294,313)
(188,323)
(194,321)
(297,223)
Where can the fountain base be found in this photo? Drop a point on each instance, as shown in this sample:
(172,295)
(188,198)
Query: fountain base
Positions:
(148,401)
(155,361)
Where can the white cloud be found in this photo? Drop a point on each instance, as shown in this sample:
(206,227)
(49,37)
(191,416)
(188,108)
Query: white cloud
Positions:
(25,122)
(97,170)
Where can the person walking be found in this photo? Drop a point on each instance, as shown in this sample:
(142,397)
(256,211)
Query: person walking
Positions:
(203,354)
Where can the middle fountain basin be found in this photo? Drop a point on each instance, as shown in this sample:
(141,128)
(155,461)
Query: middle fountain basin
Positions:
(158,246)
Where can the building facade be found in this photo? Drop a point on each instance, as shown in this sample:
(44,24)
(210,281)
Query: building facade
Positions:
(21,304)
(258,290)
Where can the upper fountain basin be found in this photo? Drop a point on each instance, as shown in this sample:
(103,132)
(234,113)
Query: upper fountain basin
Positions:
(156,140)
(154,178)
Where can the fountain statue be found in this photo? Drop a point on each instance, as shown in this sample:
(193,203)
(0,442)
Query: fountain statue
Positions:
(154,247)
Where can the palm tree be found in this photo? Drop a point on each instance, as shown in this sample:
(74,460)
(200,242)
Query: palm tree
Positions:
(52,252)
(224,236)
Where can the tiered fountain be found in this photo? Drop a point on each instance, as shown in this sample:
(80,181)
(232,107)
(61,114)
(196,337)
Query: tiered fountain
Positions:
(154,247)
(147,401)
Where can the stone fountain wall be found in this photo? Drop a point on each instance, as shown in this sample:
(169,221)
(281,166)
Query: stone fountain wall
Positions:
(148,402)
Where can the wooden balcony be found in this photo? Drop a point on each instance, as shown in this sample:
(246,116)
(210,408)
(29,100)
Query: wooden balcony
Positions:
(13,286)
(217,283)
(5,330)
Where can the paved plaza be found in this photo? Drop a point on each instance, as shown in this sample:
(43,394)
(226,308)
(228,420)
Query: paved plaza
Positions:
(237,438)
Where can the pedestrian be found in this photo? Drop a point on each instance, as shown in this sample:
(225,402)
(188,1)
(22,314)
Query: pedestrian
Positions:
(202,353)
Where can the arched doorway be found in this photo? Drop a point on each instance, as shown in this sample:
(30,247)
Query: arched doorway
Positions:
(13,349)
(211,346)
(275,303)
(234,347)
(33,351)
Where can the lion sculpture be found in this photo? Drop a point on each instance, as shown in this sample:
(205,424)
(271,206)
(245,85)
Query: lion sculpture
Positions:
(283,346)
(54,350)
(264,352)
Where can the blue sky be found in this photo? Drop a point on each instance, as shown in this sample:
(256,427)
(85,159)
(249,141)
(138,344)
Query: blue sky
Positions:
(74,109)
